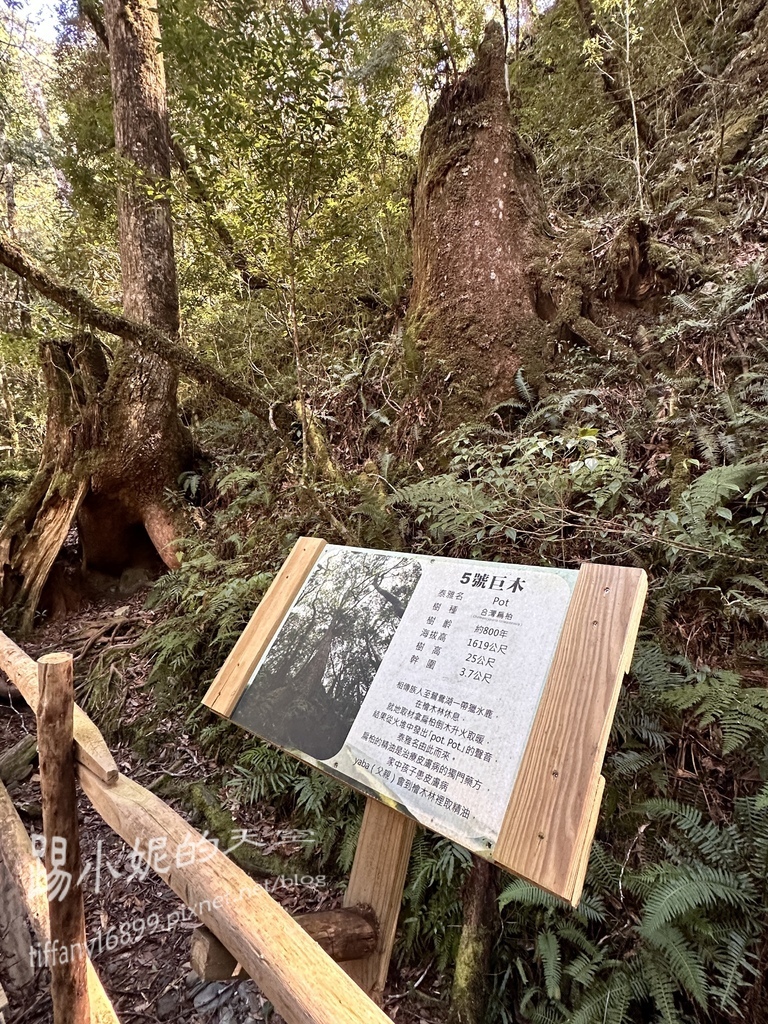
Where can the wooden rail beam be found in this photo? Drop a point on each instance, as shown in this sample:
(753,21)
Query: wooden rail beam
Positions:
(295,974)
(90,747)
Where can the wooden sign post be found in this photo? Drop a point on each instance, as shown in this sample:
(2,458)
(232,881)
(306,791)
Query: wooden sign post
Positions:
(475,698)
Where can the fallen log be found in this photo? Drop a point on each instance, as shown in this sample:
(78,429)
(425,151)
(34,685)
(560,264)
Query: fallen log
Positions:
(90,747)
(88,312)
(28,874)
(16,763)
(18,971)
(296,975)
(348,933)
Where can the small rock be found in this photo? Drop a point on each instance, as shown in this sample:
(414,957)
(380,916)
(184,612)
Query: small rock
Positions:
(167,1004)
(213,996)
(133,580)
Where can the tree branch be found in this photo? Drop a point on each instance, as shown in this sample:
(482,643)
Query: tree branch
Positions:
(88,312)
(232,256)
(91,11)
(396,603)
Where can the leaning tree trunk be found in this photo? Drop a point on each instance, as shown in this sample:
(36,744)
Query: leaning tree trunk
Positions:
(114,441)
(477,226)
(75,371)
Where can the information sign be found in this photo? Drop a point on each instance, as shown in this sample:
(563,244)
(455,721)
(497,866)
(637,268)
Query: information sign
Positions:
(421,681)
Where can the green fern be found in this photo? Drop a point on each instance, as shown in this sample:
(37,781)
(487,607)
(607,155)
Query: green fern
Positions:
(548,953)
(676,892)
(680,957)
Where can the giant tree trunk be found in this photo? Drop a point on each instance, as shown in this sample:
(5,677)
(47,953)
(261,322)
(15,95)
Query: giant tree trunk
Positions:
(296,711)
(477,225)
(114,441)
(145,445)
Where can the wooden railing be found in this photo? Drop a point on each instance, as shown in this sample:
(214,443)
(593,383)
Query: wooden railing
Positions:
(283,955)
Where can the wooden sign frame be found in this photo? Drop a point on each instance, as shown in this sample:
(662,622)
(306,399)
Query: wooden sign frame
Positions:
(551,816)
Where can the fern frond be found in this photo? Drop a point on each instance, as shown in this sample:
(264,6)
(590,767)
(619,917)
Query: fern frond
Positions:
(733,972)
(584,968)
(606,1003)
(683,961)
(548,952)
(688,888)
(660,987)
(525,894)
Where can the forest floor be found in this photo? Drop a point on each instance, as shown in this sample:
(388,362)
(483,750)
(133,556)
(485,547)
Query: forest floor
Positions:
(141,931)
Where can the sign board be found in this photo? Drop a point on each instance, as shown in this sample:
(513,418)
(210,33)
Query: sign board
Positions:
(475,697)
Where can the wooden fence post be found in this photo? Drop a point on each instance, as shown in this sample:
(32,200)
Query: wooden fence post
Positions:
(55,737)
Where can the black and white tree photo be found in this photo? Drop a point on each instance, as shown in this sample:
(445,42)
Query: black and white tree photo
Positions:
(311,683)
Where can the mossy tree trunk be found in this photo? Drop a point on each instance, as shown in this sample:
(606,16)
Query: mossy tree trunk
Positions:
(478,223)
(74,372)
(114,441)
(469,994)
(147,445)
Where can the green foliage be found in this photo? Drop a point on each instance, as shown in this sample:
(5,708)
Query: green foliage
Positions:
(668,63)
(273,115)
(208,601)
(674,909)
(560,486)
(532,486)
(12,481)
(431,917)
(678,908)
(329,813)
(671,922)
(718,305)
